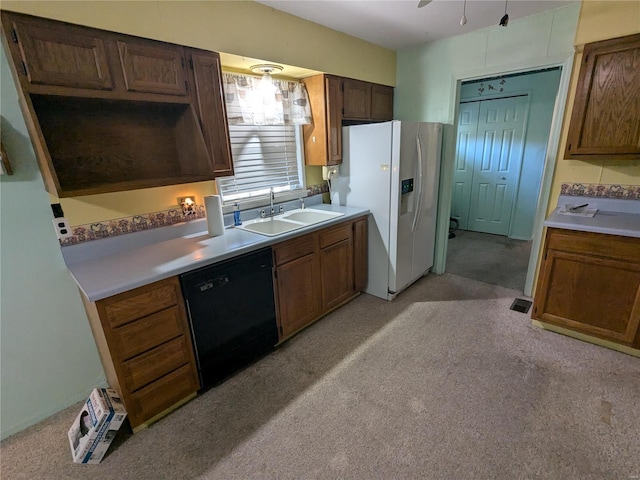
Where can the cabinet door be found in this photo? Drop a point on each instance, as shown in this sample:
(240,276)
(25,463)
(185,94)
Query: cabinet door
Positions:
(591,294)
(357,99)
(337,273)
(152,67)
(211,109)
(299,295)
(334,120)
(360,254)
(143,339)
(590,284)
(605,120)
(381,102)
(54,55)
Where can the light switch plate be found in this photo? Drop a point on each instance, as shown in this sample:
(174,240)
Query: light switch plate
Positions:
(62,228)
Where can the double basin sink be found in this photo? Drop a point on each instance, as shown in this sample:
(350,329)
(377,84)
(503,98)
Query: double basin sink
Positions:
(286,222)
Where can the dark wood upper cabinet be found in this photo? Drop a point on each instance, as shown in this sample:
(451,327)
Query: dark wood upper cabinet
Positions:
(357,99)
(334,119)
(74,57)
(323,137)
(605,121)
(337,101)
(381,102)
(211,109)
(152,67)
(143,115)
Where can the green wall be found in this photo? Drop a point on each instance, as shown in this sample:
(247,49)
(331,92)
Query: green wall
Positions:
(48,357)
(428,78)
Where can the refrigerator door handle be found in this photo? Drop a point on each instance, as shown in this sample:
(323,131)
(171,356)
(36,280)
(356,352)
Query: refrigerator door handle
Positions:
(416,215)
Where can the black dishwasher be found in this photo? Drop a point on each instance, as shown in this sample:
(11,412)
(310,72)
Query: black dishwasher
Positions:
(232,313)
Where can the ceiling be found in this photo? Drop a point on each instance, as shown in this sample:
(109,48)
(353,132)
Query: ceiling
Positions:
(397,24)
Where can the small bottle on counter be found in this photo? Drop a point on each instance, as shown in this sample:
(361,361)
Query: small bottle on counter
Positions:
(236,215)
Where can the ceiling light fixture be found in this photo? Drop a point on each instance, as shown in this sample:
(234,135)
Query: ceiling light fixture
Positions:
(422,3)
(265,68)
(463,20)
(267,88)
(504,21)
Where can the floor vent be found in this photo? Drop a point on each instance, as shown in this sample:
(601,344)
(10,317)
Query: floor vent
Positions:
(520,305)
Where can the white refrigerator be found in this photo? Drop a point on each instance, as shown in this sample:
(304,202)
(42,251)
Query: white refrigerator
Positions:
(393,169)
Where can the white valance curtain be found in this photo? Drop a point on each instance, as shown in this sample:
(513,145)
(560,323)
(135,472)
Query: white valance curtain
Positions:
(258,101)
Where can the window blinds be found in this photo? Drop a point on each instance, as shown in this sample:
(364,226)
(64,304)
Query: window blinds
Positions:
(264,156)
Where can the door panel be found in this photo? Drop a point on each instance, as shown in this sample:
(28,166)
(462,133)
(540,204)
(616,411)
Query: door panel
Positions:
(498,155)
(76,59)
(465,155)
(153,67)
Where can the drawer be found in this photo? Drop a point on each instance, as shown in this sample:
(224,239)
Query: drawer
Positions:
(597,244)
(141,302)
(155,363)
(296,248)
(162,394)
(335,234)
(144,334)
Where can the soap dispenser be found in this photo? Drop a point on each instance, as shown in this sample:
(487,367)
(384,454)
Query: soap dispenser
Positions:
(237,221)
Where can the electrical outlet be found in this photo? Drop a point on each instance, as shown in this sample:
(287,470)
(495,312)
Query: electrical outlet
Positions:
(329,173)
(62,228)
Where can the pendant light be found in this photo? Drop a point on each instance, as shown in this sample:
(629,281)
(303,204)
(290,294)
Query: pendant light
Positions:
(504,21)
(463,19)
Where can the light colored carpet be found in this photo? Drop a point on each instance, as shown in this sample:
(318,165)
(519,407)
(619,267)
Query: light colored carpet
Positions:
(489,258)
(444,382)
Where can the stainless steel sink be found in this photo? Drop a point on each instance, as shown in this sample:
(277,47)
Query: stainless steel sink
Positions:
(288,222)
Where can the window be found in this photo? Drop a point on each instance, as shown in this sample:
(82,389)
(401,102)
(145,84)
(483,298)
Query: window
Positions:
(266,139)
(264,157)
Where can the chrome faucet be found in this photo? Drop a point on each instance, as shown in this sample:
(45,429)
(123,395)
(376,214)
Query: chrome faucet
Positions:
(272,197)
(301,203)
(272,210)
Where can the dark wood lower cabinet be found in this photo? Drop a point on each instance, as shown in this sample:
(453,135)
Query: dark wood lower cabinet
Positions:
(590,283)
(315,273)
(144,342)
(299,300)
(336,265)
(143,335)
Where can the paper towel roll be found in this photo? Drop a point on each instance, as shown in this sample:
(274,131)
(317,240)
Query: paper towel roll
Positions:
(213,209)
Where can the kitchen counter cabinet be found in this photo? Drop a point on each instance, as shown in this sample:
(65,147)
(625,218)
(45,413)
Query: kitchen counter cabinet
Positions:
(315,274)
(144,342)
(138,315)
(590,283)
(360,252)
(298,289)
(605,121)
(336,265)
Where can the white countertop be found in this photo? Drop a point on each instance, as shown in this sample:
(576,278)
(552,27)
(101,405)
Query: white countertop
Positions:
(614,216)
(122,268)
